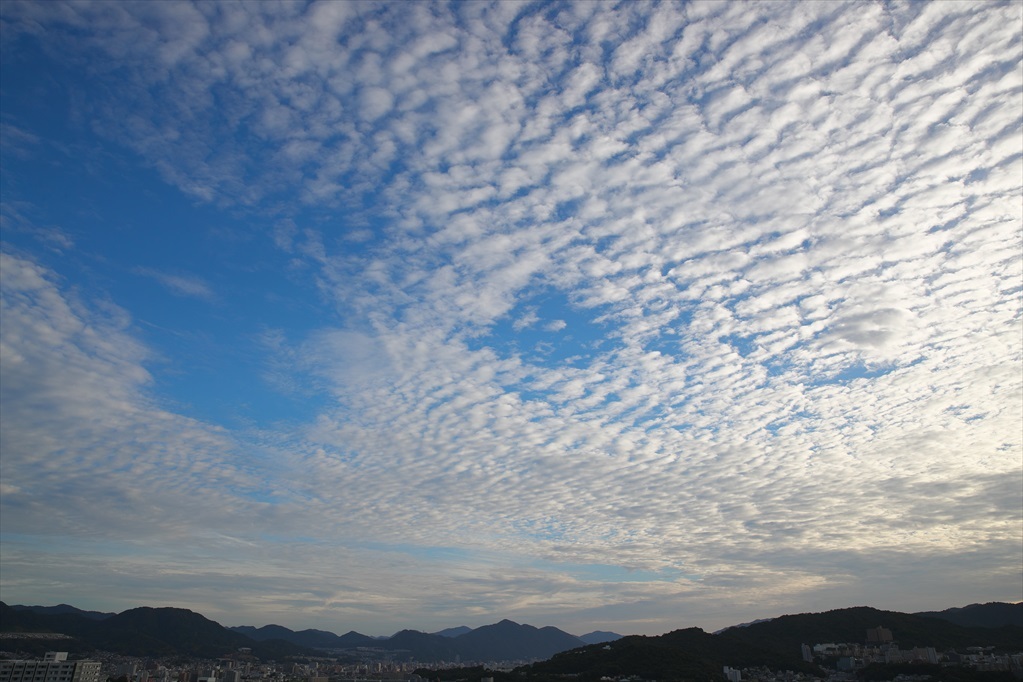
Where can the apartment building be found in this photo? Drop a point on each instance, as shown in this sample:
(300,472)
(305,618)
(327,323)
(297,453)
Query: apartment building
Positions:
(54,667)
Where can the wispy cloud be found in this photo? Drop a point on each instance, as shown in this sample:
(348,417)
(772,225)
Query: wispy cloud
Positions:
(186,285)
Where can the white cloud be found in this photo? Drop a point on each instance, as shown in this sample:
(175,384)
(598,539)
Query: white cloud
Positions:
(801,261)
(80,427)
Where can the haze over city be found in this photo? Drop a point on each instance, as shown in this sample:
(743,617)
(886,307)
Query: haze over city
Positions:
(623,316)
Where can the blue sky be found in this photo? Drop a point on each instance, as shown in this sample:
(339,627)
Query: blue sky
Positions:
(603,315)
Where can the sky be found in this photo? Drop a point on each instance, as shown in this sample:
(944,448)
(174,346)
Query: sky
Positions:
(624,316)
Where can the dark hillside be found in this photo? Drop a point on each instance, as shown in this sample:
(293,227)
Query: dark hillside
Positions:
(353,639)
(165,632)
(149,631)
(63,610)
(509,641)
(141,632)
(454,632)
(24,620)
(314,639)
(990,615)
(690,654)
(786,633)
(14,620)
(599,637)
(693,654)
(420,646)
(264,633)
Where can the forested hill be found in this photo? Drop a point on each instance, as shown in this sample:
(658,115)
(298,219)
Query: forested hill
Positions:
(990,615)
(696,655)
(787,633)
(143,631)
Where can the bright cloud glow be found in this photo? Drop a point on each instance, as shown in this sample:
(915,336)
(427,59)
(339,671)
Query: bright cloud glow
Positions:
(626,316)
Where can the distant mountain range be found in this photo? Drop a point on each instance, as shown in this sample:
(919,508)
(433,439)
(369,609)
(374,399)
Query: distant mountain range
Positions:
(315,639)
(167,631)
(143,631)
(454,632)
(690,653)
(504,641)
(599,637)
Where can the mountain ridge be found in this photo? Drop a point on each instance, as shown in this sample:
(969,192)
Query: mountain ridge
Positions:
(64,609)
(453,632)
(508,640)
(987,615)
(600,636)
(776,641)
(163,631)
(142,631)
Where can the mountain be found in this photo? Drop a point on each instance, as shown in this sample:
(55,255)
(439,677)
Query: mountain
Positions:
(62,610)
(13,619)
(145,631)
(266,632)
(787,633)
(504,641)
(599,637)
(990,615)
(26,620)
(164,632)
(353,639)
(421,646)
(689,654)
(775,643)
(454,632)
(509,641)
(314,639)
(744,625)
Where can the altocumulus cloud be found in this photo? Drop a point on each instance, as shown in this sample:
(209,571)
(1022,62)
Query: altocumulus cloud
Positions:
(646,314)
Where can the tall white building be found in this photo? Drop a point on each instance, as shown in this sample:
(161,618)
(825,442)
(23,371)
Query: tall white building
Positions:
(53,668)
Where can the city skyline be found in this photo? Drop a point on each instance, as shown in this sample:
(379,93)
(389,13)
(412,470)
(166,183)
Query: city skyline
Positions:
(619,316)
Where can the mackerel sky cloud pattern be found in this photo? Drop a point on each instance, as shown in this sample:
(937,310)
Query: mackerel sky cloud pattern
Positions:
(621,315)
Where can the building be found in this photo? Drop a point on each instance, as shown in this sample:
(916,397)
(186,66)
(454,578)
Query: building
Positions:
(53,668)
(126,671)
(879,635)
